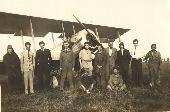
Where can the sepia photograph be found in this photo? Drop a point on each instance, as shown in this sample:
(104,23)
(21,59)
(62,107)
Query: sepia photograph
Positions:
(84,56)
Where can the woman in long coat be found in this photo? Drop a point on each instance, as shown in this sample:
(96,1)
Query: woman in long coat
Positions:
(12,68)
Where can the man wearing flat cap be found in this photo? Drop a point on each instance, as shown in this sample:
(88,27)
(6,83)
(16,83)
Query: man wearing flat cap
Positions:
(43,62)
(27,68)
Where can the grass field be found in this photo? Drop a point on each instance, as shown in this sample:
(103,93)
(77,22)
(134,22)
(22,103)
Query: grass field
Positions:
(137,100)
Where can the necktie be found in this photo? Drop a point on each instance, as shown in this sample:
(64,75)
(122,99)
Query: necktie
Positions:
(122,52)
(135,51)
(28,54)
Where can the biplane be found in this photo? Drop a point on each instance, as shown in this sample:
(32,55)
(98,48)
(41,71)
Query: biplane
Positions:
(77,32)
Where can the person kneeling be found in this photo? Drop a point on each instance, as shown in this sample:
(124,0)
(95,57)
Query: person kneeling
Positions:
(86,81)
(115,81)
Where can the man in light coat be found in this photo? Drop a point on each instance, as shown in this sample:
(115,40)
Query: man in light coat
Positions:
(27,67)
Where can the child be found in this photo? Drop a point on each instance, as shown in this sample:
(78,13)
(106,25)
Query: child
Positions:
(115,81)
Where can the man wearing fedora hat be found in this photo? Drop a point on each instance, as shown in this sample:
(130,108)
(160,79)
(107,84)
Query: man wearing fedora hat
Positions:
(43,62)
(27,67)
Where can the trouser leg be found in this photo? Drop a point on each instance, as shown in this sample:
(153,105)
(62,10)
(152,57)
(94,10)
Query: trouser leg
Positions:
(91,83)
(10,83)
(133,67)
(26,81)
(30,77)
(107,77)
(63,77)
(98,80)
(103,77)
(124,73)
(98,76)
(108,72)
(47,78)
(40,80)
(155,75)
(126,68)
(90,70)
(151,75)
(70,79)
(121,70)
(44,80)
(157,80)
(139,73)
(103,81)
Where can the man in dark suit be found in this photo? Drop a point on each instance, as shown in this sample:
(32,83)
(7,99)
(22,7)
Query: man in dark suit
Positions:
(123,60)
(100,61)
(43,61)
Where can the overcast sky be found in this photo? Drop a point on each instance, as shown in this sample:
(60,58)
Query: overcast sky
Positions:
(149,20)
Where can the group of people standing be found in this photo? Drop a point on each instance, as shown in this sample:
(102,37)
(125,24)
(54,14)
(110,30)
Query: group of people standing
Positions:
(24,67)
(109,67)
(105,67)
